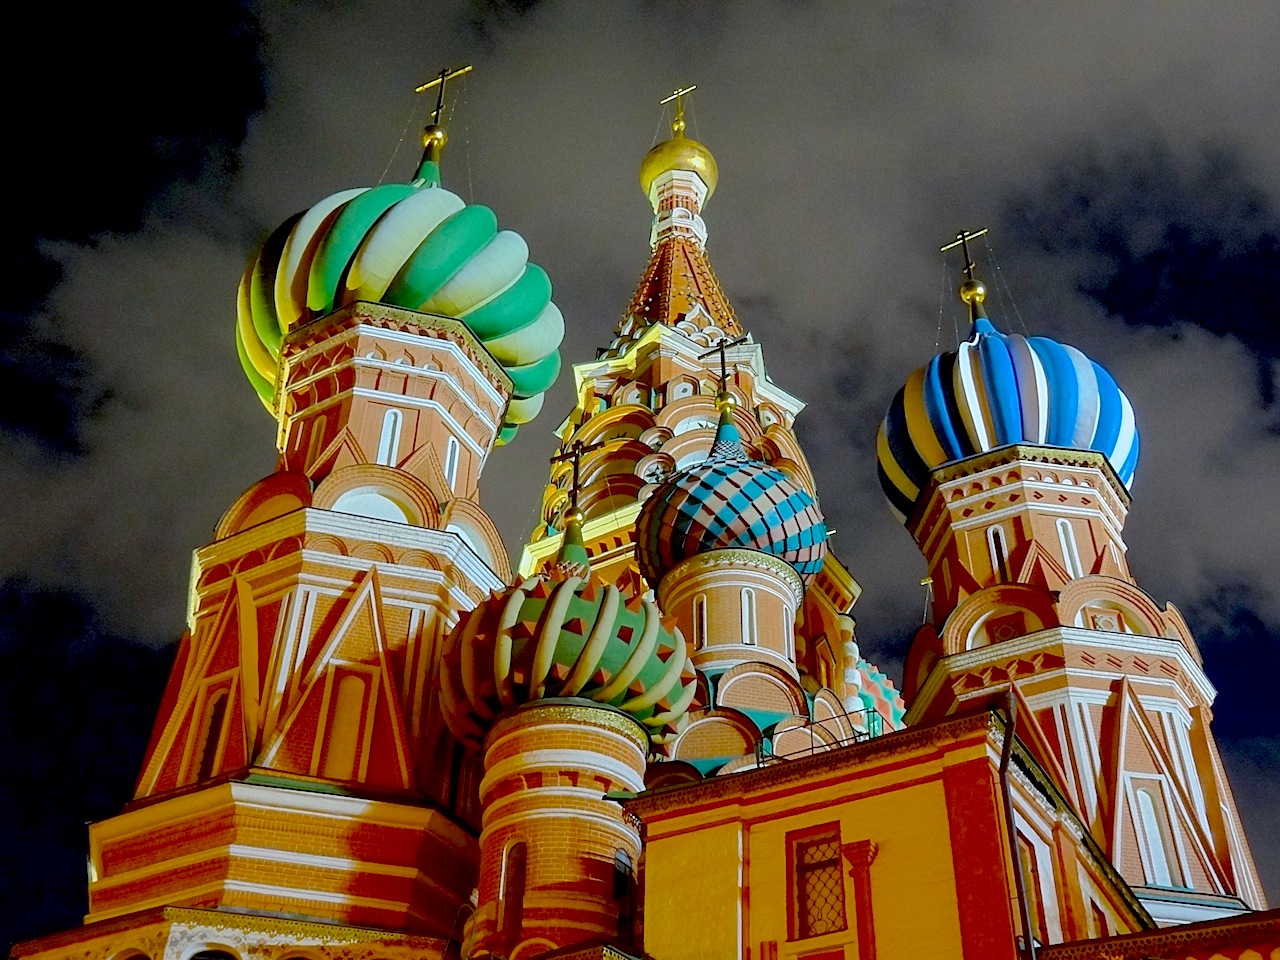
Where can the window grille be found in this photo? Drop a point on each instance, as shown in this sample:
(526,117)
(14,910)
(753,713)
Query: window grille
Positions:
(817,883)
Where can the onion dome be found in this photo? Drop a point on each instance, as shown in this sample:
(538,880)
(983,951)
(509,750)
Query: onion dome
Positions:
(729,500)
(413,245)
(878,695)
(679,153)
(565,633)
(998,389)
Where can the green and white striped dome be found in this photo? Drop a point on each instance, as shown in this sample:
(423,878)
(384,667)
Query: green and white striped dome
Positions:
(413,245)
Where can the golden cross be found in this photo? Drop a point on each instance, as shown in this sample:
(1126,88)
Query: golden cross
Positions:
(720,348)
(574,452)
(678,97)
(445,76)
(962,240)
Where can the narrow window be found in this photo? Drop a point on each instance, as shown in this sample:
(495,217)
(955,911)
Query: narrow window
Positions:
(748,616)
(623,887)
(215,717)
(788,631)
(1070,554)
(451,462)
(344,730)
(699,621)
(1155,836)
(1031,878)
(316,445)
(999,553)
(817,882)
(389,442)
(511,894)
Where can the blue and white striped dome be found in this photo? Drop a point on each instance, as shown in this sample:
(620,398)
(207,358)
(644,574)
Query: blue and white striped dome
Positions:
(998,389)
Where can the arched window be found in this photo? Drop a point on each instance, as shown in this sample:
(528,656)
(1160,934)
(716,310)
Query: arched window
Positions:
(215,721)
(511,893)
(748,616)
(1070,553)
(451,451)
(999,552)
(699,621)
(389,442)
(1155,836)
(344,729)
(788,631)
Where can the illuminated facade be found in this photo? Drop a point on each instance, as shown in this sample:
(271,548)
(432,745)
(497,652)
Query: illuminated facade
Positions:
(659,737)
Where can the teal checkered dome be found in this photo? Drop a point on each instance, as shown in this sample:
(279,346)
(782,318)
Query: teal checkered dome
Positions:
(729,501)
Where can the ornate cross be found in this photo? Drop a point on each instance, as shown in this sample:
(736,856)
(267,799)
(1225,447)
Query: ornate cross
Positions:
(445,76)
(574,452)
(962,240)
(678,96)
(720,348)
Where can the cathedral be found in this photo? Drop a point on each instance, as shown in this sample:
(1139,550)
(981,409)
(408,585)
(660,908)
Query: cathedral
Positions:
(658,737)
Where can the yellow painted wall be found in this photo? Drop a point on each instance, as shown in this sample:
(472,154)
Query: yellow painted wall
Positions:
(691,908)
(692,903)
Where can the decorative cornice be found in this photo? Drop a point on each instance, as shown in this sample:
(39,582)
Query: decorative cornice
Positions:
(1229,938)
(1003,456)
(738,558)
(570,710)
(397,319)
(1008,650)
(830,764)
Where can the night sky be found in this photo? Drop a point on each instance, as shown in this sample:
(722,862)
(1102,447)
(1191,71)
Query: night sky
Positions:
(1126,158)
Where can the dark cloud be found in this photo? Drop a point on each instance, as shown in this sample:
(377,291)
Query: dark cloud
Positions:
(852,140)
(78,706)
(1161,240)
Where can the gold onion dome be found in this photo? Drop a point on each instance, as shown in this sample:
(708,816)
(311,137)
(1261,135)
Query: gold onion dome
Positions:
(679,153)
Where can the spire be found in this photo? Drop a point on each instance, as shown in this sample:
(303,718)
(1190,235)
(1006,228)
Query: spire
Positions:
(433,135)
(973,291)
(678,176)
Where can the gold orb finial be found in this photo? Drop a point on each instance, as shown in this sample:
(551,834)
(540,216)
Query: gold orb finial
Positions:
(726,402)
(973,292)
(571,515)
(433,135)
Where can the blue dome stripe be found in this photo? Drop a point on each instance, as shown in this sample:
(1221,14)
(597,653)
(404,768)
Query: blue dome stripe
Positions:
(994,390)
(1110,411)
(1064,397)
(938,404)
(1001,390)
(1130,464)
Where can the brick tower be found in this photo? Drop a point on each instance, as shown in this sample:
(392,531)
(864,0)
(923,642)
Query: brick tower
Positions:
(1011,460)
(300,766)
(561,681)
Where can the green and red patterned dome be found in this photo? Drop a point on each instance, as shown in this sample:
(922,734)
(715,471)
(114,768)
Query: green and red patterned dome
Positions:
(565,633)
(413,245)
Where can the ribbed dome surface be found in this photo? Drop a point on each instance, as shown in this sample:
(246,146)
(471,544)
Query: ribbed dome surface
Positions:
(564,636)
(998,389)
(729,500)
(412,245)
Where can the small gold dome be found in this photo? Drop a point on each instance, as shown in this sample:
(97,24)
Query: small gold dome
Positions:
(679,153)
